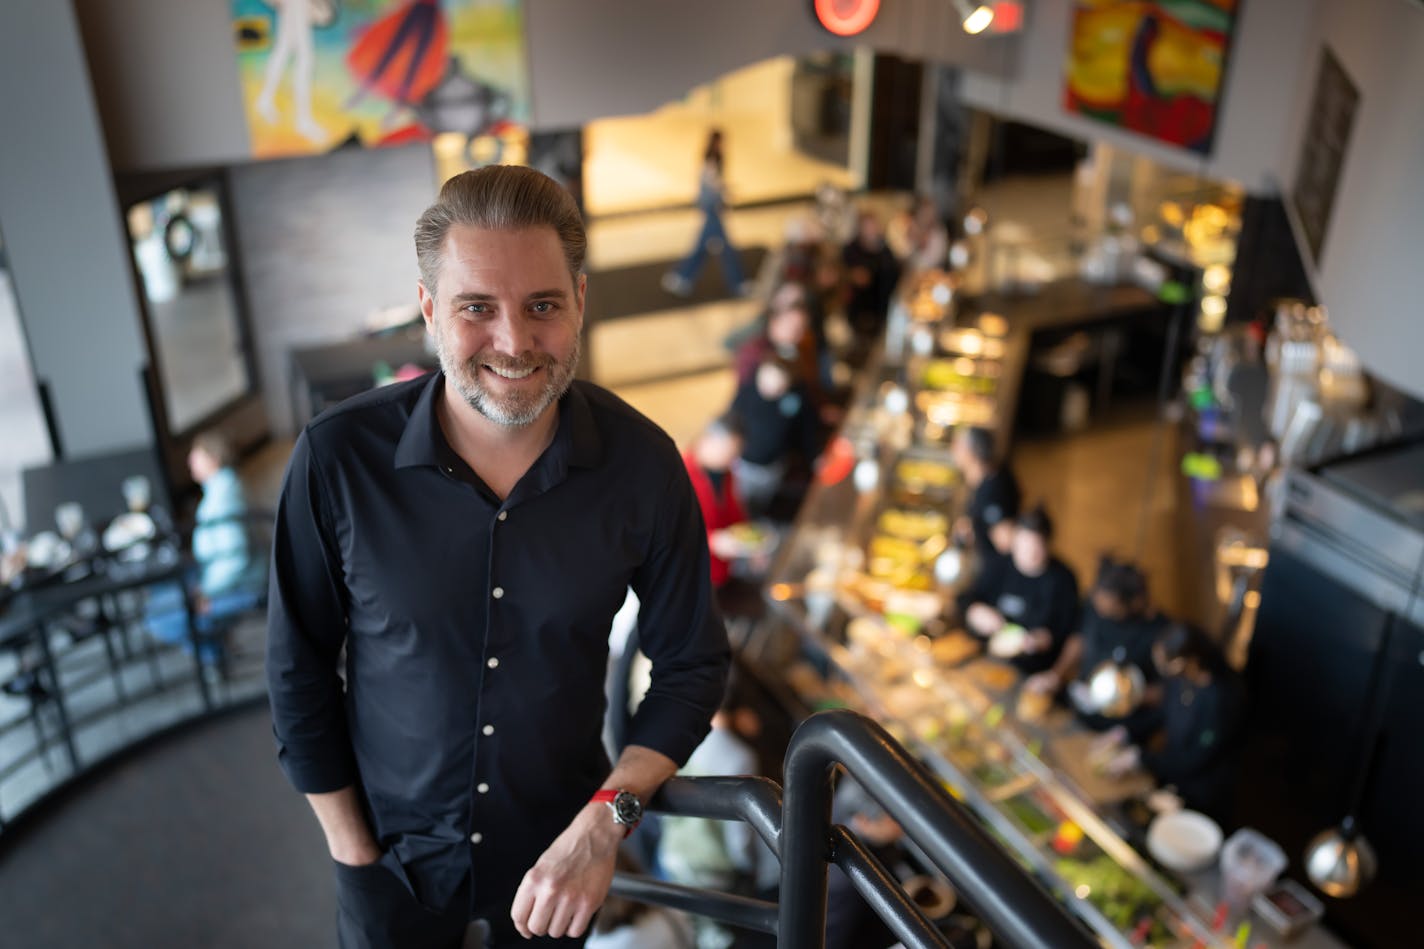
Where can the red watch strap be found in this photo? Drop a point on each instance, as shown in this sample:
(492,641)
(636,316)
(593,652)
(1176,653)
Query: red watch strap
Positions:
(604,796)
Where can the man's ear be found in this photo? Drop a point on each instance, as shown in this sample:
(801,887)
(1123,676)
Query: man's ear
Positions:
(581,295)
(427,305)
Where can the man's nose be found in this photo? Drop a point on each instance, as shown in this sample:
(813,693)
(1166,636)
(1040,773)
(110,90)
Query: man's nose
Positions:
(512,335)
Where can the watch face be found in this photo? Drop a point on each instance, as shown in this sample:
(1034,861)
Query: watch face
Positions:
(627,809)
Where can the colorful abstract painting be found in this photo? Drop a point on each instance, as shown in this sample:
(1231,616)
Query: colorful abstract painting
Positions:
(1151,66)
(321,74)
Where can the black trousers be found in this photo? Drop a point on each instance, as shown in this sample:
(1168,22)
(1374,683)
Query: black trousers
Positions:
(374,910)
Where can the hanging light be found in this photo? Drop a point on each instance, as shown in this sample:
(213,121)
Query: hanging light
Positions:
(975,18)
(1340,861)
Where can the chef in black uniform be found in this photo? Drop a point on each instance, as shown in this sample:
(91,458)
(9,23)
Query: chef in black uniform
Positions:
(1030,588)
(994,495)
(1189,743)
(1118,625)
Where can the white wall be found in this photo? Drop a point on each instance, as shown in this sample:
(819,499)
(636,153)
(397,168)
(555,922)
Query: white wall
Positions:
(165,76)
(1369,272)
(619,57)
(64,237)
(1263,78)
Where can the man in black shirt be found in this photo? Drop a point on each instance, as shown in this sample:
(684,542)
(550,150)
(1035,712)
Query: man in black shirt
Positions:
(1030,589)
(994,498)
(465,539)
(1118,625)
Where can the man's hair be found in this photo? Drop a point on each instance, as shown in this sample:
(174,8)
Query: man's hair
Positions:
(1122,579)
(216,446)
(1036,521)
(981,444)
(499,197)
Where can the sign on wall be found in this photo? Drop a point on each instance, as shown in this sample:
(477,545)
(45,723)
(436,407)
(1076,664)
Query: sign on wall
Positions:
(319,74)
(1150,66)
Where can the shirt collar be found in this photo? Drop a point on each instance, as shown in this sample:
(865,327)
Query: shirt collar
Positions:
(423,443)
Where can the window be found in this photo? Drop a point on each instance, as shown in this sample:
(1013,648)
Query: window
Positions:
(22,424)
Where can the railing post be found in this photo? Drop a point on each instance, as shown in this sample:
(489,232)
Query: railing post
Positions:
(805,849)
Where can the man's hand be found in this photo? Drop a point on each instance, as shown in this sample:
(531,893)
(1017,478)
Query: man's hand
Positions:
(984,619)
(567,885)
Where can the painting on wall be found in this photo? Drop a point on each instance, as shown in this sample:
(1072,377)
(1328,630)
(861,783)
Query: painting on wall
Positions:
(1150,66)
(323,74)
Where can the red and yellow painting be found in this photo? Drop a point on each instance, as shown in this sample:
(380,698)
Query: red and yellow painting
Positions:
(321,74)
(1151,66)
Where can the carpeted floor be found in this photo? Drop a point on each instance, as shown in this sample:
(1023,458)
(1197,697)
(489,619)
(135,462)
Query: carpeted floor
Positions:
(195,842)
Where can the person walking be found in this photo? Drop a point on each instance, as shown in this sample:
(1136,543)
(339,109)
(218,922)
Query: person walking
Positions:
(711,201)
(448,555)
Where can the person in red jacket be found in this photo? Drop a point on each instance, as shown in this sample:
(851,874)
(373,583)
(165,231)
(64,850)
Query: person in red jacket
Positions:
(709,466)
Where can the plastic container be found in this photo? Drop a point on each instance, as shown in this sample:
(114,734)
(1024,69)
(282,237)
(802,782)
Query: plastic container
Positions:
(1250,862)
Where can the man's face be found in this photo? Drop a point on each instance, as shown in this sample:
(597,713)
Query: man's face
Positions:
(717,450)
(1030,552)
(506,319)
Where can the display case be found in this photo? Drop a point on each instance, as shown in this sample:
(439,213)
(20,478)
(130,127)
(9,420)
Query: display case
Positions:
(867,577)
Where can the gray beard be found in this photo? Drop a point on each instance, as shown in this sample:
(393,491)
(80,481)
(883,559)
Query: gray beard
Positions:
(465,377)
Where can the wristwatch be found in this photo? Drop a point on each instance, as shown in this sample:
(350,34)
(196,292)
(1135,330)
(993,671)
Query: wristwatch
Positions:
(627,809)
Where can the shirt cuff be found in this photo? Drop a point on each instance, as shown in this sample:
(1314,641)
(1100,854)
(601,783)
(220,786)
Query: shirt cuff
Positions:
(669,727)
(318,770)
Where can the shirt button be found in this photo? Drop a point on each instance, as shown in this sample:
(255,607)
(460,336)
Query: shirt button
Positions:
(449,470)
(503,515)
(482,788)
(493,662)
(476,837)
(488,729)
(497,592)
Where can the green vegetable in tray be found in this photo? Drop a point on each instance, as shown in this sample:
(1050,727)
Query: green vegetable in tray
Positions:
(1126,901)
(1030,815)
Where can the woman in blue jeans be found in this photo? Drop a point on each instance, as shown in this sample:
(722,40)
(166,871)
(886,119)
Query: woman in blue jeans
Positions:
(228,579)
(711,199)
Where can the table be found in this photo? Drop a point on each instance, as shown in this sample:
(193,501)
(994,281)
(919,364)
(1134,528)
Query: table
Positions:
(25,618)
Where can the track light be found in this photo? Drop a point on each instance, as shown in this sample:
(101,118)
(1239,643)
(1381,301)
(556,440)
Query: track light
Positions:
(975,18)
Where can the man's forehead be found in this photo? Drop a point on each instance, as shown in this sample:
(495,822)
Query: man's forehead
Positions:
(505,256)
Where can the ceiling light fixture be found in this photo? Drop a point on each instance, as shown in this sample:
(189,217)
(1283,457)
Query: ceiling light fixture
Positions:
(975,18)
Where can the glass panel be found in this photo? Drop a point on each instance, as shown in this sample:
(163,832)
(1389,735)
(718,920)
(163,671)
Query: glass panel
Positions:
(186,275)
(22,425)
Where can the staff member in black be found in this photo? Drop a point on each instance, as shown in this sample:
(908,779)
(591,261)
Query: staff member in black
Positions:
(1030,588)
(466,539)
(994,494)
(1189,741)
(1118,625)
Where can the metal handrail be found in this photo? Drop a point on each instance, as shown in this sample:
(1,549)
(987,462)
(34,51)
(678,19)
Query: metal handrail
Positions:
(799,831)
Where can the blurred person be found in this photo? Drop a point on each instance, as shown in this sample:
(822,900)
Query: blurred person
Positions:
(850,922)
(449,555)
(1030,589)
(624,924)
(228,579)
(709,466)
(871,273)
(1118,625)
(711,201)
(714,854)
(918,236)
(1189,741)
(787,335)
(778,424)
(994,500)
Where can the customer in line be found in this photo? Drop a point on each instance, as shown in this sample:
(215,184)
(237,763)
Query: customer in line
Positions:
(449,555)
(988,521)
(778,428)
(1029,598)
(871,272)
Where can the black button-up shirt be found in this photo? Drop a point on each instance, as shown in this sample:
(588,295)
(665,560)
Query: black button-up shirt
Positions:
(476,631)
